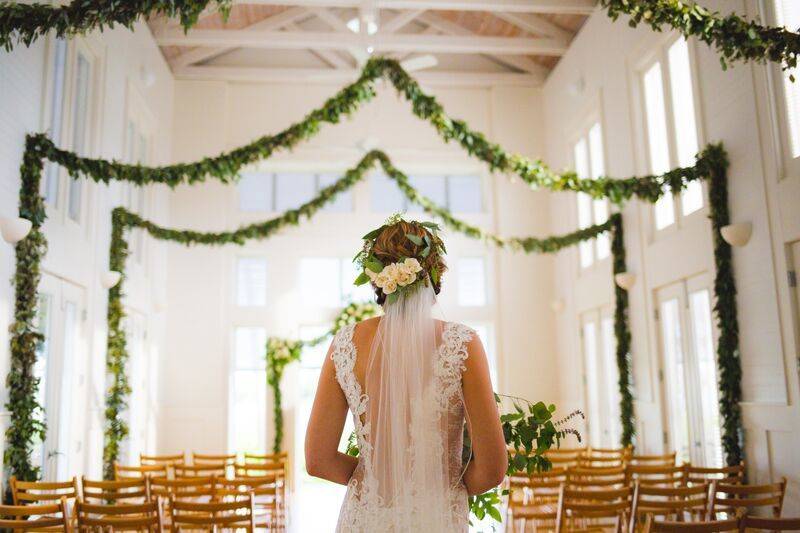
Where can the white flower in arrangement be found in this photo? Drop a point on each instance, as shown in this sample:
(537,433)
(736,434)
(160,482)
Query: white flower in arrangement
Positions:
(412,265)
(395,275)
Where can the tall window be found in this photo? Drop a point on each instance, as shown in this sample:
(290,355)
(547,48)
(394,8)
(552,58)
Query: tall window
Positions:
(50,183)
(137,150)
(276,192)
(671,126)
(328,282)
(601,376)
(472,281)
(459,193)
(251,281)
(590,163)
(689,372)
(247,405)
(787,14)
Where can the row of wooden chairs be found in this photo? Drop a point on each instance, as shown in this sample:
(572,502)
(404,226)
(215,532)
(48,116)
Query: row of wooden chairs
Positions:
(204,465)
(235,515)
(201,458)
(267,491)
(572,506)
(740,523)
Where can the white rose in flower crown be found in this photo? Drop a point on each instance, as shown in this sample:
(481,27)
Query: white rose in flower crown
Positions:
(406,277)
(389,287)
(412,265)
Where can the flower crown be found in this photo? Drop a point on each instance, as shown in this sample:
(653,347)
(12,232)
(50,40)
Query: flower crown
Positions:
(406,275)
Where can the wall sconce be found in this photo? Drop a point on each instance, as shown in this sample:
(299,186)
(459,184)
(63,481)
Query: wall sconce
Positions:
(625,280)
(15,229)
(737,234)
(557,305)
(110,278)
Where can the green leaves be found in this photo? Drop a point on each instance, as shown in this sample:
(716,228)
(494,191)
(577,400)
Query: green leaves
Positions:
(414,238)
(361,279)
(374,265)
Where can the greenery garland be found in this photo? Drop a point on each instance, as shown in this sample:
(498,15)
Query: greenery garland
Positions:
(25,23)
(622,333)
(734,38)
(728,358)
(27,423)
(117,354)
(281,352)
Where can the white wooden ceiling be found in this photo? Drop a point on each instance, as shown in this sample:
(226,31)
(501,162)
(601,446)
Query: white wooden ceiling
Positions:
(474,42)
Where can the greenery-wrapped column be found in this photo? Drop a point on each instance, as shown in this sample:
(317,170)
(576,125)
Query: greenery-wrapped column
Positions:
(622,332)
(116,350)
(26,415)
(728,356)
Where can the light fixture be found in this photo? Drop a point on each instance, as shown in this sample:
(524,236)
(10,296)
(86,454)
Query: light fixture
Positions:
(557,305)
(419,63)
(737,234)
(15,229)
(110,278)
(625,280)
(354,25)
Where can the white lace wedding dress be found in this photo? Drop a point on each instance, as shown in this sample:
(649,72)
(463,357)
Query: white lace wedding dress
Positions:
(422,489)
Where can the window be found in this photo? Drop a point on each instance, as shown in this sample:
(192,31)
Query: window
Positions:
(601,376)
(277,192)
(471,281)
(328,282)
(690,372)
(460,194)
(50,184)
(251,281)
(247,407)
(590,163)
(671,127)
(137,150)
(81,109)
(787,14)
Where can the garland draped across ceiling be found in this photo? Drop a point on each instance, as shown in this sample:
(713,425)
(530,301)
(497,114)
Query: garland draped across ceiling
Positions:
(735,39)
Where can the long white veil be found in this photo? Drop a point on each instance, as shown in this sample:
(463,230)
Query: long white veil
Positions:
(410,428)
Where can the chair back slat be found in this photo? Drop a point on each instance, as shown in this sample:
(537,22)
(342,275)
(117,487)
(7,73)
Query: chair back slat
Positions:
(205,458)
(750,522)
(576,504)
(42,491)
(727,496)
(123,472)
(50,517)
(237,513)
(678,503)
(167,460)
(201,470)
(712,526)
(120,516)
(117,491)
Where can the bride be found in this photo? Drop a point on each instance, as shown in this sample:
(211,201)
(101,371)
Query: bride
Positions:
(409,381)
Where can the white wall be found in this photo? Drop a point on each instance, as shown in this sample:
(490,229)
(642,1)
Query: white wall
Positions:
(213,116)
(736,108)
(78,253)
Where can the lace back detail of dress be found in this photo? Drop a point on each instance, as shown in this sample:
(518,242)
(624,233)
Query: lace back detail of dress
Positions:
(363,510)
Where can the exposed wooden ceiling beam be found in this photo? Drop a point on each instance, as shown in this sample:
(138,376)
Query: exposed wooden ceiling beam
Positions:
(535,24)
(274,22)
(572,7)
(339,76)
(290,40)
(522,63)
(359,52)
(328,56)
(399,20)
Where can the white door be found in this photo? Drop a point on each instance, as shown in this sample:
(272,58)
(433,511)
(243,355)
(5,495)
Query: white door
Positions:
(138,377)
(61,366)
(688,372)
(601,376)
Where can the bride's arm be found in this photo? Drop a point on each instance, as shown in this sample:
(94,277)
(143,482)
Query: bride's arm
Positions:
(489,458)
(324,430)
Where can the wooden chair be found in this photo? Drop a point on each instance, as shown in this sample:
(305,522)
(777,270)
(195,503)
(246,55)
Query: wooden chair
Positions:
(232,515)
(266,458)
(769,524)
(267,497)
(139,471)
(183,489)
(726,474)
(27,492)
(201,470)
(598,478)
(533,499)
(120,517)
(133,490)
(667,459)
(260,469)
(725,497)
(711,526)
(34,517)
(603,458)
(199,458)
(597,509)
(564,457)
(665,476)
(674,503)
(167,460)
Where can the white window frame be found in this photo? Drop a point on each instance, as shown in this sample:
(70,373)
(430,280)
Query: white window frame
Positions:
(789,167)
(139,115)
(94,51)
(660,54)
(604,429)
(593,119)
(406,204)
(318,186)
(233,369)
